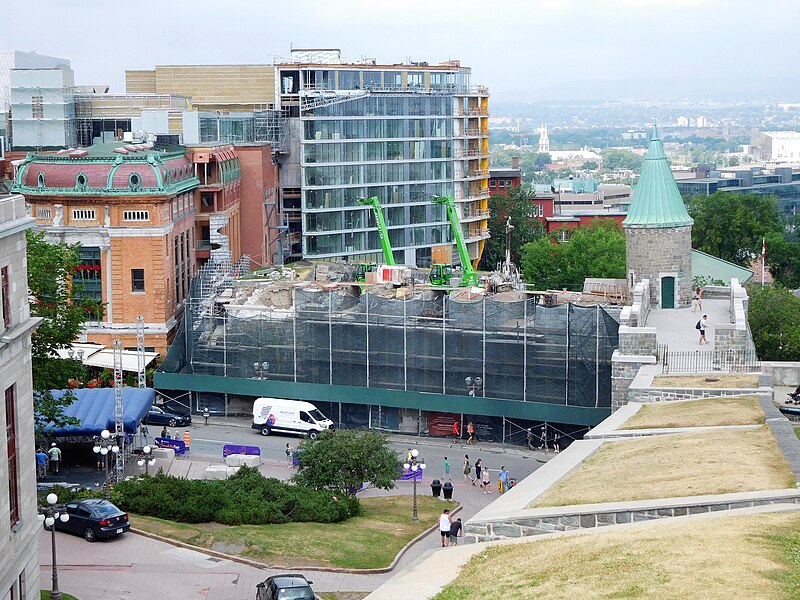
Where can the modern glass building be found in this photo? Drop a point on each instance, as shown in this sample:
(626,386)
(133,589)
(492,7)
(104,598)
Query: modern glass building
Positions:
(403,133)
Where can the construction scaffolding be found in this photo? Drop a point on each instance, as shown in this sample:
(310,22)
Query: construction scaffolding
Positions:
(411,340)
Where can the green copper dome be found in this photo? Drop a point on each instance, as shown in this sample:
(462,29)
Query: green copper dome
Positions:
(656,199)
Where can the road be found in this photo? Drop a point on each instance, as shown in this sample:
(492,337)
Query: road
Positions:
(132,566)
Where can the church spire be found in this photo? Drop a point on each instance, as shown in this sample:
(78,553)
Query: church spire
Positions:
(544,141)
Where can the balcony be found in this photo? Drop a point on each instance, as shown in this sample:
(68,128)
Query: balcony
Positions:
(470,133)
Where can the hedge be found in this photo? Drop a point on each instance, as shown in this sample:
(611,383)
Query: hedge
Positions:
(245,498)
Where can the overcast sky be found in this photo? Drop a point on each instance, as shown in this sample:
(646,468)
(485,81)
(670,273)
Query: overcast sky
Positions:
(515,47)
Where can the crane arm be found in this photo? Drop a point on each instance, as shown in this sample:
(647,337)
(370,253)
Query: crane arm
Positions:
(470,277)
(383,232)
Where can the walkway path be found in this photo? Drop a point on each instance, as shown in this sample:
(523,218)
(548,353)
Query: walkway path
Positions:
(676,326)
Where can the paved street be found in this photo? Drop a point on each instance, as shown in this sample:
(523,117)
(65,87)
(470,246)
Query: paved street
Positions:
(133,566)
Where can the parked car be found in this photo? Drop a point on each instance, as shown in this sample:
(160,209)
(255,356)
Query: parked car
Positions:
(290,586)
(158,416)
(94,518)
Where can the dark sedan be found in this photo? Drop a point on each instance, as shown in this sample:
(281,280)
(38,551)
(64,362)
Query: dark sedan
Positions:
(291,586)
(158,416)
(94,518)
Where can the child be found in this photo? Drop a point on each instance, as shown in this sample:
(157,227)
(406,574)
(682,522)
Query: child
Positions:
(447,469)
(487,482)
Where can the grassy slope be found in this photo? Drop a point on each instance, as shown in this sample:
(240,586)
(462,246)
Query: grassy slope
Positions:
(708,412)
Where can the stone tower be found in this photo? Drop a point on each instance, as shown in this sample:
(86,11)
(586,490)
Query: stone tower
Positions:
(544,141)
(658,233)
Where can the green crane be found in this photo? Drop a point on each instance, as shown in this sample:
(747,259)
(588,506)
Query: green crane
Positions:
(441,274)
(368,267)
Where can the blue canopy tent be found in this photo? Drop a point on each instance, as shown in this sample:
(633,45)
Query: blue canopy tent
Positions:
(94,408)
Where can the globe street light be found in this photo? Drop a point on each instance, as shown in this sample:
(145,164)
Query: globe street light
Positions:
(102,446)
(474,385)
(147,459)
(47,516)
(416,464)
(261,369)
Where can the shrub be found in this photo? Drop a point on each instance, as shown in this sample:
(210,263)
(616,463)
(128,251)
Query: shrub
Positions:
(245,498)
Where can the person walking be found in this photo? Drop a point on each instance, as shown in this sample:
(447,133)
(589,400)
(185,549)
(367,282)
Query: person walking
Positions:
(444,526)
(543,437)
(468,470)
(470,433)
(697,301)
(447,469)
(478,464)
(556,441)
(487,482)
(702,324)
(455,532)
(456,432)
(55,457)
(502,478)
(41,463)
(289,453)
(530,439)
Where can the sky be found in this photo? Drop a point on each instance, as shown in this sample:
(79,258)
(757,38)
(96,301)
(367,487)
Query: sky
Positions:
(521,49)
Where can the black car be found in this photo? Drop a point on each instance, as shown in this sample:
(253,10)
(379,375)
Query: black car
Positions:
(158,416)
(94,518)
(291,586)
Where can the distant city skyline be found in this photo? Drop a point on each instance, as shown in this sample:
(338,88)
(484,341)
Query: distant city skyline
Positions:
(522,49)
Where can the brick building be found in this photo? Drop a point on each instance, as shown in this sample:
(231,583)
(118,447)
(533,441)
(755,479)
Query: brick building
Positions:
(502,179)
(132,208)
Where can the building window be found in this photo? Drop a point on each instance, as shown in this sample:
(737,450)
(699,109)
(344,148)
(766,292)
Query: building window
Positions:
(492,183)
(137,280)
(37,107)
(40,181)
(5,292)
(11,449)
(88,275)
(135,182)
(43,213)
(135,215)
(83,214)
(81,182)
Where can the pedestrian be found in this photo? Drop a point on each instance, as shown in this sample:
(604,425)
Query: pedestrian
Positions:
(101,461)
(478,464)
(55,457)
(164,433)
(470,433)
(702,324)
(289,454)
(468,470)
(543,436)
(556,446)
(41,463)
(530,439)
(697,301)
(502,478)
(444,526)
(487,482)
(455,531)
(456,431)
(447,469)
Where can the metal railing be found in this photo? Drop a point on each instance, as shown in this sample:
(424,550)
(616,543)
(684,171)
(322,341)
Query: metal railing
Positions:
(708,361)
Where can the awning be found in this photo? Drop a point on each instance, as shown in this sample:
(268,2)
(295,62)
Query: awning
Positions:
(94,408)
(130,361)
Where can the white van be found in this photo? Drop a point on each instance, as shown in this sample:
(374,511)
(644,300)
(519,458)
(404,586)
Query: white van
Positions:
(288,416)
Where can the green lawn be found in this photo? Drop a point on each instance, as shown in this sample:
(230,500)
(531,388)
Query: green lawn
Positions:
(45,595)
(368,541)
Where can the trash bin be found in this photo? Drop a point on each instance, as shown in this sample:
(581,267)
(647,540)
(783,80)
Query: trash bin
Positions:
(447,490)
(436,487)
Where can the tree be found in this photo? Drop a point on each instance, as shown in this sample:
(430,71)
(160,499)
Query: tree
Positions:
(517,204)
(344,459)
(56,299)
(774,316)
(730,226)
(615,159)
(590,165)
(597,250)
(783,259)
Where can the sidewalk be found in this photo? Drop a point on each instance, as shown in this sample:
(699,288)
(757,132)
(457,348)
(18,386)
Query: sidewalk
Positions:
(676,326)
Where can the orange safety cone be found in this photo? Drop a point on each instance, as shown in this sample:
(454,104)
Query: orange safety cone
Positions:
(187,439)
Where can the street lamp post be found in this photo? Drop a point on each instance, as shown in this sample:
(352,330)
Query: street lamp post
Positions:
(48,515)
(261,369)
(474,385)
(147,459)
(416,464)
(102,446)
(75,355)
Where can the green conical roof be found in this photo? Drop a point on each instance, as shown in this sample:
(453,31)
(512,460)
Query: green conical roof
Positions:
(656,199)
